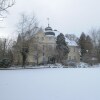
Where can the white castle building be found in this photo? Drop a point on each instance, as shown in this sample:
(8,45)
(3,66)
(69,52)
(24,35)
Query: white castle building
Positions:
(45,45)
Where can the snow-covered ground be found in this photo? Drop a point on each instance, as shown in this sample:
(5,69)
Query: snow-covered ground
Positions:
(50,84)
(57,65)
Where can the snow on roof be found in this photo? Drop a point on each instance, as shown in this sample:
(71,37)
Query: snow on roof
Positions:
(56,33)
(70,42)
(50,35)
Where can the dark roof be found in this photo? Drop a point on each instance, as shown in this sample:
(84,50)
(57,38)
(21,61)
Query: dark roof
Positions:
(49,33)
(48,29)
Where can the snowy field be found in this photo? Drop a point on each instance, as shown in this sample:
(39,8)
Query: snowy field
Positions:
(50,84)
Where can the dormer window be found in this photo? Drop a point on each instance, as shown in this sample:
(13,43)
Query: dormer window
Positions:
(42,38)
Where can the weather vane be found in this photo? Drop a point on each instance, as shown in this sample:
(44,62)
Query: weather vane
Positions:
(48,21)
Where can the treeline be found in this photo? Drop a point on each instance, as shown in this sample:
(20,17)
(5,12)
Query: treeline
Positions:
(90,47)
(18,50)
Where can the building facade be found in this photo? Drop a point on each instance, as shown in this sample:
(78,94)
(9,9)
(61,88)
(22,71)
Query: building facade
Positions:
(42,48)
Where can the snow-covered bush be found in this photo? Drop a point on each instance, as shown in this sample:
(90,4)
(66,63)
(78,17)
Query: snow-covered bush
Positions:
(83,65)
(5,63)
(59,65)
(71,63)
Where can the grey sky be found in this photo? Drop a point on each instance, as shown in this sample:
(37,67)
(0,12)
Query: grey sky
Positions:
(67,16)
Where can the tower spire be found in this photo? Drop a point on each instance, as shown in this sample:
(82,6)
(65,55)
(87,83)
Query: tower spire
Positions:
(48,21)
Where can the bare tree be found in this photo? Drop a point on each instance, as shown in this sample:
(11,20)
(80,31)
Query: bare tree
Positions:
(4,5)
(26,29)
(36,47)
(95,34)
(6,49)
(3,48)
(27,25)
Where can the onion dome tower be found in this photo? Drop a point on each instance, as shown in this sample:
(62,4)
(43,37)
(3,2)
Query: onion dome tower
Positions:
(48,30)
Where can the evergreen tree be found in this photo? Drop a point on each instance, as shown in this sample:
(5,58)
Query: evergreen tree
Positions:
(89,44)
(82,44)
(86,46)
(62,48)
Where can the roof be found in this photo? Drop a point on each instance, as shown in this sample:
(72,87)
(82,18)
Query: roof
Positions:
(70,42)
(49,33)
(48,29)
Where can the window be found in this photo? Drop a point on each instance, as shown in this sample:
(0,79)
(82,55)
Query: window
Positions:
(69,49)
(69,58)
(43,47)
(74,49)
(43,50)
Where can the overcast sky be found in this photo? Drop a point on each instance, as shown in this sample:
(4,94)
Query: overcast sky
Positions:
(67,16)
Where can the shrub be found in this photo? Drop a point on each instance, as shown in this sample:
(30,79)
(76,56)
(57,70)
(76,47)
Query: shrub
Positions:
(5,63)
